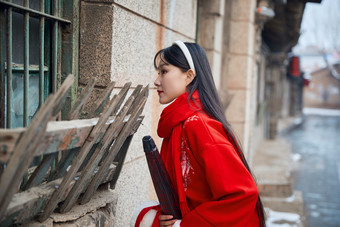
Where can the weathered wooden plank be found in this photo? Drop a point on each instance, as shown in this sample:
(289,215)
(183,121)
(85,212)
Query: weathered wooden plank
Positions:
(91,139)
(8,140)
(120,160)
(113,152)
(101,101)
(95,158)
(143,93)
(24,151)
(59,135)
(39,173)
(29,203)
(82,100)
(63,164)
(123,92)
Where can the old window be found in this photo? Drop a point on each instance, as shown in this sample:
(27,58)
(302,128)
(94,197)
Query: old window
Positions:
(33,34)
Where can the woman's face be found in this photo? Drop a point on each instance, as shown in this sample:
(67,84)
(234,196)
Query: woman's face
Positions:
(170,83)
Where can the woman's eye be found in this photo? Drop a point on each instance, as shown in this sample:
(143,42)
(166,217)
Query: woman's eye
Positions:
(163,71)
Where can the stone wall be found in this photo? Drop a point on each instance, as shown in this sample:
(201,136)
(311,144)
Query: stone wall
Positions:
(118,40)
(238,68)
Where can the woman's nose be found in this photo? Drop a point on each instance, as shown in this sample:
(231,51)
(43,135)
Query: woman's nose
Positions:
(157,82)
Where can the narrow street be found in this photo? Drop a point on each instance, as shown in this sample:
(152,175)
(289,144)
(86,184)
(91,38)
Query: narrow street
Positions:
(317,141)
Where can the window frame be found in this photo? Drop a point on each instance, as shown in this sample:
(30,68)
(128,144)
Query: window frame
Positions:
(62,59)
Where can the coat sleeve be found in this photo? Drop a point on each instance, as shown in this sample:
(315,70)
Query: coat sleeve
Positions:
(233,190)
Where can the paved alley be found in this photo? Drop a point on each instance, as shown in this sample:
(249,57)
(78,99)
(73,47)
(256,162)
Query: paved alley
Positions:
(317,141)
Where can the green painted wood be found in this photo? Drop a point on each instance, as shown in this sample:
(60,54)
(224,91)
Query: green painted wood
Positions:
(69,47)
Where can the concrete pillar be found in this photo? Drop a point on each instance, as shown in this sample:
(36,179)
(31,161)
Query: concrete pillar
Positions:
(238,66)
(210,33)
(274,96)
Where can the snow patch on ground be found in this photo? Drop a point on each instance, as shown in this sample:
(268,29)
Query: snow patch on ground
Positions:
(322,112)
(295,157)
(281,219)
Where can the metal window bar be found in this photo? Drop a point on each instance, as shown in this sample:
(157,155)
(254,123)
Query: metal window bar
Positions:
(9,67)
(2,67)
(10,7)
(26,64)
(54,47)
(41,53)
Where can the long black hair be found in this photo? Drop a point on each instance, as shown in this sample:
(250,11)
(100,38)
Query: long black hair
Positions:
(204,83)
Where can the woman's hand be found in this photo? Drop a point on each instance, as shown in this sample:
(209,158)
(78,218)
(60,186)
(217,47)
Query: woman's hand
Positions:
(166,220)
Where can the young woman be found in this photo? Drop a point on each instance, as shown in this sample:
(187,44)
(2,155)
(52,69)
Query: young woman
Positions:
(205,163)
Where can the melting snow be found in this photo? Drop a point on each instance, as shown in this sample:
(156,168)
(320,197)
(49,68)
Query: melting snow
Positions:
(281,219)
(295,157)
(323,112)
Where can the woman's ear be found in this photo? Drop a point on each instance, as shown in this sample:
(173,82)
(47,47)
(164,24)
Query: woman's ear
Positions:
(190,76)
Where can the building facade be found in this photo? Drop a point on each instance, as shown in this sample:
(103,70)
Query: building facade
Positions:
(117,41)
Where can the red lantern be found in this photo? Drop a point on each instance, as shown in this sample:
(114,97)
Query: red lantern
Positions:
(295,66)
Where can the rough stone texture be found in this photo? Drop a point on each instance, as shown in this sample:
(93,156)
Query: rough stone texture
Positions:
(169,37)
(242,37)
(243,10)
(239,71)
(240,67)
(213,7)
(181,16)
(134,62)
(132,189)
(95,43)
(99,211)
(211,25)
(235,111)
(214,59)
(211,33)
(273,168)
(147,8)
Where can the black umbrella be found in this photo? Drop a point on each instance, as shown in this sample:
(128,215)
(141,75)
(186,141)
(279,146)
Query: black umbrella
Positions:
(166,194)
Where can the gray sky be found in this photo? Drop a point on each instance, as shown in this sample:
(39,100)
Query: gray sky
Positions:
(321,25)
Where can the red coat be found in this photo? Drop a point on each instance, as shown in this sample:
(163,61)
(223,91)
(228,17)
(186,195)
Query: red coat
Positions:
(219,189)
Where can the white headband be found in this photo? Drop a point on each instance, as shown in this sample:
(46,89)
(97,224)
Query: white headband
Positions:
(186,53)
